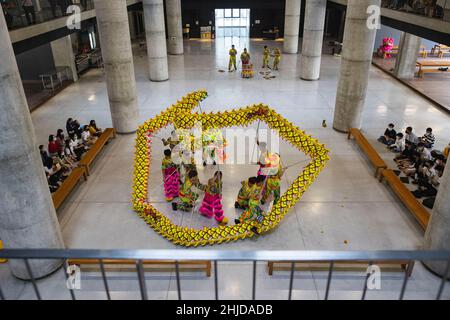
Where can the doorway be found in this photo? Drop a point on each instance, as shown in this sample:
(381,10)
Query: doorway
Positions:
(232,23)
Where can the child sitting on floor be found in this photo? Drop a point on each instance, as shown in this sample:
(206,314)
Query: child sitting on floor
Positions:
(244,193)
(212,206)
(171,176)
(389,135)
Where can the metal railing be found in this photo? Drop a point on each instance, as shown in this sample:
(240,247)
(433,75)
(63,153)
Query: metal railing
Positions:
(139,256)
(432,9)
(18,17)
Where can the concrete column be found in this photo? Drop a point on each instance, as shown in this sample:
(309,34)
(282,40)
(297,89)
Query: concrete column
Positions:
(174,27)
(63,55)
(409,48)
(112,21)
(437,236)
(292,26)
(315,11)
(356,60)
(155,31)
(27,215)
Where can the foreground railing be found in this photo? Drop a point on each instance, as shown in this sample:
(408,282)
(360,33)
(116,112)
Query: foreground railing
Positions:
(138,257)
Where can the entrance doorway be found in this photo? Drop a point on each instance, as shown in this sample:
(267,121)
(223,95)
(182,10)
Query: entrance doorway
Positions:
(232,23)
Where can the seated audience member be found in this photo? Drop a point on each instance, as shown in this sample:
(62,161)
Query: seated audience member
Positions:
(389,136)
(60,139)
(69,127)
(429,139)
(86,137)
(425,153)
(53,146)
(96,132)
(69,151)
(44,155)
(410,136)
(52,171)
(75,147)
(399,145)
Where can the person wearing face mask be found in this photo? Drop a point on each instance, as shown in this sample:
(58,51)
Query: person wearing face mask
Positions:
(389,136)
(53,145)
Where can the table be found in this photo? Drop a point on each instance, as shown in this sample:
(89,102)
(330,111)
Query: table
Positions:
(56,74)
(425,64)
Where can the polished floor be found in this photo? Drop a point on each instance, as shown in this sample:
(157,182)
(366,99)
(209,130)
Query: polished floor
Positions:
(345,209)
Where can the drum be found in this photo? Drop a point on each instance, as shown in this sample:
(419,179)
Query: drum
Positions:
(247,71)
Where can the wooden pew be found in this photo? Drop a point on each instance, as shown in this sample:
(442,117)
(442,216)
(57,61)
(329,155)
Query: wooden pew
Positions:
(409,200)
(67,186)
(370,152)
(149,265)
(398,265)
(95,149)
(431,66)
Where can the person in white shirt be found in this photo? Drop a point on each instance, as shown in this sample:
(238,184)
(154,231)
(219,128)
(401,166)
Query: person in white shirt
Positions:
(400,143)
(410,136)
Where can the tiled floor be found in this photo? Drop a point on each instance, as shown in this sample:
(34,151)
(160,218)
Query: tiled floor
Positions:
(345,209)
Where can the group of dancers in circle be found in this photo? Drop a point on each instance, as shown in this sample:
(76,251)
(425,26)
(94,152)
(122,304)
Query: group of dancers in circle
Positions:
(180,176)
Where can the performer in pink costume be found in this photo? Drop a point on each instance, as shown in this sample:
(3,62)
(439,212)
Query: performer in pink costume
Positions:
(385,49)
(212,206)
(171,176)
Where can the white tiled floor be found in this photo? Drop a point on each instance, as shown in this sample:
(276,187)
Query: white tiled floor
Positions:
(345,209)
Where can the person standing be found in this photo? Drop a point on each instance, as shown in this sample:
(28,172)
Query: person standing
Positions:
(30,14)
(245,57)
(232,63)
(266,56)
(277,58)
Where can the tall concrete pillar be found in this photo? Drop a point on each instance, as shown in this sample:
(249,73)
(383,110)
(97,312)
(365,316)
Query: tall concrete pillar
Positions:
(63,55)
(112,21)
(174,27)
(27,214)
(292,26)
(315,11)
(155,31)
(357,55)
(409,48)
(437,236)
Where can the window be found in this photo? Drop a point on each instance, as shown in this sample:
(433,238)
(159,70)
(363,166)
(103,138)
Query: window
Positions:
(232,22)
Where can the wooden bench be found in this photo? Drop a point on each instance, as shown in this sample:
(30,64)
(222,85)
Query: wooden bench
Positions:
(150,265)
(405,195)
(371,153)
(95,149)
(398,265)
(67,186)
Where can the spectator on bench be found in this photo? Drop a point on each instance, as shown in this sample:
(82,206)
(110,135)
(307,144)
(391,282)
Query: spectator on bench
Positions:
(96,132)
(44,155)
(60,139)
(69,151)
(86,137)
(389,136)
(429,139)
(75,147)
(53,146)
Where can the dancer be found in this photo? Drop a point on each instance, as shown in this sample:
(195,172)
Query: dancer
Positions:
(266,56)
(244,193)
(232,63)
(187,196)
(254,211)
(277,58)
(273,184)
(212,206)
(171,176)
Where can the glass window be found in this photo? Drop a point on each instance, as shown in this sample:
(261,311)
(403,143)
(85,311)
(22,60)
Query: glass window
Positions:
(236,13)
(244,13)
(227,13)
(219,13)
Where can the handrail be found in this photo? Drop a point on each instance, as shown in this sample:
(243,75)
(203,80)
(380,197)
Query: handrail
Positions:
(226,255)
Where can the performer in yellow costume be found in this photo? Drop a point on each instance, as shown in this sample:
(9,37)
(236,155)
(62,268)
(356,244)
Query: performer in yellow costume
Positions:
(244,193)
(233,54)
(187,195)
(273,185)
(266,56)
(277,58)
(254,211)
